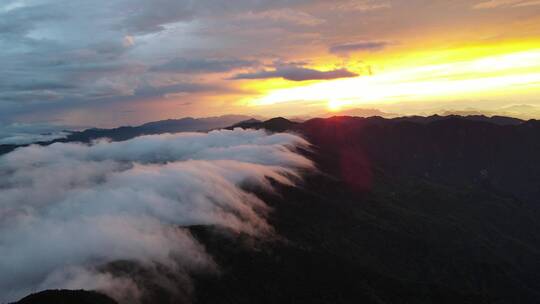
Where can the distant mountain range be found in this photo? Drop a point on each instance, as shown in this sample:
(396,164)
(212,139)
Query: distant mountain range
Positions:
(187,124)
(190,124)
(287,124)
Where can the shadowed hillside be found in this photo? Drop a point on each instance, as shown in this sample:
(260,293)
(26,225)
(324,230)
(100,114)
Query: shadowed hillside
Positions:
(436,211)
(66,297)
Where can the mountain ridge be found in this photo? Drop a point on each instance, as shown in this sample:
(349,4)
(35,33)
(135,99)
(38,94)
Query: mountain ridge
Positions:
(186,124)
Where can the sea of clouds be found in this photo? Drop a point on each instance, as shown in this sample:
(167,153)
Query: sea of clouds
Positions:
(68,209)
(23,134)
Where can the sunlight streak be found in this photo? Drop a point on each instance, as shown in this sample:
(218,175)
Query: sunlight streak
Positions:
(485,76)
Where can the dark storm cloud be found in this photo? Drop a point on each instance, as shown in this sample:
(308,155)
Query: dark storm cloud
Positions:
(370,46)
(296,73)
(184,65)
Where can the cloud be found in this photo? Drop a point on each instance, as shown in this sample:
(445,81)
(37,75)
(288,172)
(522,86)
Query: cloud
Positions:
(369,46)
(21,20)
(70,210)
(297,73)
(362,5)
(22,133)
(287,15)
(177,89)
(128,41)
(154,16)
(183,65)
(505,3)
(40,86)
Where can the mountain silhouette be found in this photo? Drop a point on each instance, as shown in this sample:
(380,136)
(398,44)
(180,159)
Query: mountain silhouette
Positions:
(67,297)
(278,124)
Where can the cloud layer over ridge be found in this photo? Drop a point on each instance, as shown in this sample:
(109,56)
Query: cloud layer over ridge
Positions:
(67,210)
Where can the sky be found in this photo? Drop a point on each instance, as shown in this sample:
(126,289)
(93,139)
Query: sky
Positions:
(114,62)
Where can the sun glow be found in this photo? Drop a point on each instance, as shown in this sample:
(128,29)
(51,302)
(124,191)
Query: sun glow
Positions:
(337,105)
(483,76)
